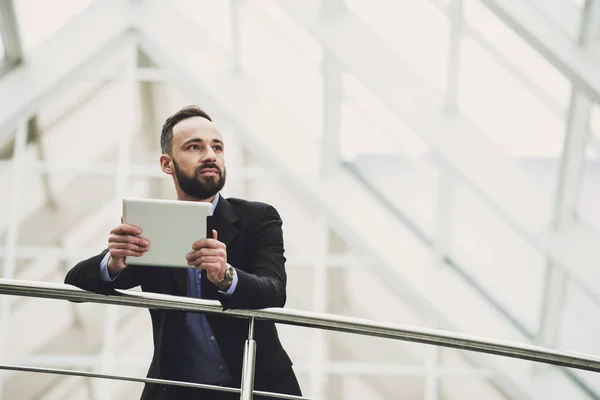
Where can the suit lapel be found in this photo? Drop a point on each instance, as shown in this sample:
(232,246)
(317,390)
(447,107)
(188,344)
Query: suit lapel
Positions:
(225,222)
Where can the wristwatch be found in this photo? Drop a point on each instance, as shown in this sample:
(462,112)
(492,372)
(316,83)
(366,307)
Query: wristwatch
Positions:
(226,282)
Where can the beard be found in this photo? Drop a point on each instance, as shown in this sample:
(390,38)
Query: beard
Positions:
(198,186)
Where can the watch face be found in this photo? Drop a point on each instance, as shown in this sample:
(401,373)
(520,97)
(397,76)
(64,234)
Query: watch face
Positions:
(230,272)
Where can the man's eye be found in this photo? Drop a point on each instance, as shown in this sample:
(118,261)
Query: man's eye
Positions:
(218,148)
(194,147)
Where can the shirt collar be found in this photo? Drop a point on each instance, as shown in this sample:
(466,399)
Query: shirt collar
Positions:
(214,203)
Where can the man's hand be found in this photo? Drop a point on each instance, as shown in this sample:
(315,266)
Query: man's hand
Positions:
(125,241)
(211,255)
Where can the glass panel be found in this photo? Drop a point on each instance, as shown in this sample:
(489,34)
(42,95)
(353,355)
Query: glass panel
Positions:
(212,17)
(398,23)
(384,150)
(391,160)
(292,71)
(579,330)
(40,19)
(564,14)
(512,117)
(494,256)
(589,195)
(515,48)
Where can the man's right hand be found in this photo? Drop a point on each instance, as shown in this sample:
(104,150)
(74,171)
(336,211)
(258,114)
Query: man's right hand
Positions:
(125,241)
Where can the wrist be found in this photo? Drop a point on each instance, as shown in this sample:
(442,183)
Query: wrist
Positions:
(225,283)
(114,267)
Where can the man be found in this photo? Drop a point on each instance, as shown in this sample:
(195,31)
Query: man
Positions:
(242,266)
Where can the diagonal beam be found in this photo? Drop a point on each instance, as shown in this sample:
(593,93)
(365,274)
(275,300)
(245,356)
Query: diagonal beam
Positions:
(23,90)
(496,177)
(548,40)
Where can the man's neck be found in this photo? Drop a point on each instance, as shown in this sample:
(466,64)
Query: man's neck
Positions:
(185,197)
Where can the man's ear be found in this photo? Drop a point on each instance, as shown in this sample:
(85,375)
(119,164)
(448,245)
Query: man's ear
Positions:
(166,164)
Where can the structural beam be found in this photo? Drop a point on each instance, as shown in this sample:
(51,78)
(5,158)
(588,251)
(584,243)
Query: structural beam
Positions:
(24,89)
(10,256)
(452,70)
(567,189)
(11,38)
(548,40)
(590,24)
(332,113)
(489,172)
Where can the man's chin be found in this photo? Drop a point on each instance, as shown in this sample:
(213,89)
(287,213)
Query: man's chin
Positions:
(208,180)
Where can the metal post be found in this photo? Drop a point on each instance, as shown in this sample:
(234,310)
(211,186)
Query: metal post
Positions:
(589,31)
(130,109)
(431,372)
(319,350)
(567,193)
(456,27)
(441,247)
(248,364)
(10,257)
(332,113)
(332,98)
(235,35)
(9,32)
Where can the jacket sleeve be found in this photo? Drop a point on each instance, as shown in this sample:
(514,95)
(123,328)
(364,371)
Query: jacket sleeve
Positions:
(86,275)
(263,285)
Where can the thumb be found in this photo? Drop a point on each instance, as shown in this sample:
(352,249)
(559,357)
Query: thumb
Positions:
(215,235)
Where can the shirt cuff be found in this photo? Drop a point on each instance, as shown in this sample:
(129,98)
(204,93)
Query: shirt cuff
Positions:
(234,282)
(104,274)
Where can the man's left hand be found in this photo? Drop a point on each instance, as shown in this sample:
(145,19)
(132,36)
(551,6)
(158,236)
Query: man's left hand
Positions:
(210,255)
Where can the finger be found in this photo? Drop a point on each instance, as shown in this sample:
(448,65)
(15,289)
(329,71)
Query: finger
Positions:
(122,253)
(210,268)
(127,246)
(210,259)
(215,234)
(199,244)
(126,229)
(208,243)
(140,241)
(206,252)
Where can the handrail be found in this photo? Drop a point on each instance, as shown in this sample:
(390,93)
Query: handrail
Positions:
(309,319)
(126,378)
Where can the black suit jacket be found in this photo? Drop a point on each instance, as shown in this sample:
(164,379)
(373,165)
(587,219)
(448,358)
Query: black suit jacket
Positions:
(253,235)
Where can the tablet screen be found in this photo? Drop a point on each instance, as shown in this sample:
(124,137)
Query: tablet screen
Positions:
(171,226)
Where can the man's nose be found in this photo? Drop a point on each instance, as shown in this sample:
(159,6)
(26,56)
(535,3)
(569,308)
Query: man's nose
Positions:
(209,155)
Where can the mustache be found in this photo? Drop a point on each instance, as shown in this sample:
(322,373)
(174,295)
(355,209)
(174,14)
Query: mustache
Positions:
(207,166)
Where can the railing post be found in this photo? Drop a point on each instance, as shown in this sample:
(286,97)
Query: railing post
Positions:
(248,364)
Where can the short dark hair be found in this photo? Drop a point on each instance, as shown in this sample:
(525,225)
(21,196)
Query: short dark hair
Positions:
(166,136)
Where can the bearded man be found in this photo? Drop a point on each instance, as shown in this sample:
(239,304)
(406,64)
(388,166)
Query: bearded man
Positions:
(242,266)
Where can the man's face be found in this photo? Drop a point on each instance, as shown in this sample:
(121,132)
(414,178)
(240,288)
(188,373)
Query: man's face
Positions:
(198,158)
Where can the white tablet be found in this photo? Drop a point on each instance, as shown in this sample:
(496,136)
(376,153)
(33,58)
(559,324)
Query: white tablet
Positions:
(171,226)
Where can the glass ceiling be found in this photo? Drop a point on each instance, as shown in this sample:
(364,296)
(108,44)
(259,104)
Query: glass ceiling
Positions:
(516,119)
(40,19)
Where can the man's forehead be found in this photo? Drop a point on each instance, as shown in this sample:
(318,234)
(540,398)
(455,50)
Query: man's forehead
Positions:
(196,127)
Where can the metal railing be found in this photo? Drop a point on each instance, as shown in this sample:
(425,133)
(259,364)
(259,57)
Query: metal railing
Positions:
(285,316)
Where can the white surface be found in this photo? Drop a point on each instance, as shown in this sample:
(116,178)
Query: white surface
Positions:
(171,226)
